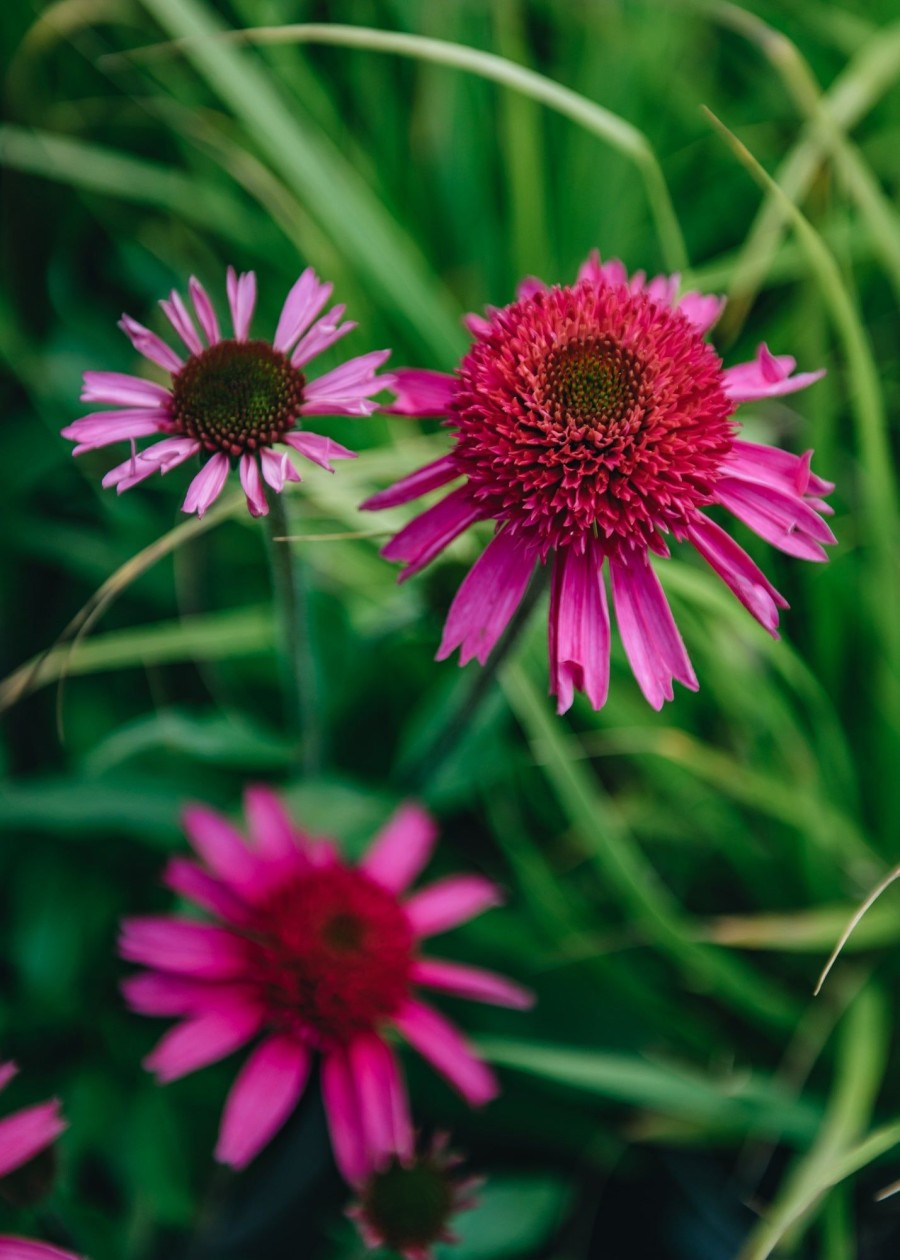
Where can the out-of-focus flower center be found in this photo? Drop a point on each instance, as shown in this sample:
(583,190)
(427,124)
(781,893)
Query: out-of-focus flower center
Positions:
(237,396)
(332,954)
(592,382)
(409,1207)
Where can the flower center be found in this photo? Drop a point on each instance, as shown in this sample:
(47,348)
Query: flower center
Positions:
(409,1207)
(237,396)
(592,382)
(332,955)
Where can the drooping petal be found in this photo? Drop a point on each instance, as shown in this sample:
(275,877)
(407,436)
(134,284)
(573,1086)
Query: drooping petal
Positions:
(384,1110)
(449,902)
(207,485)
(150,345)
(470,982)
(346,389)
(202,1040)
(489,595)
(221,847)
(277,468)
(101,428)
(739,573)
(27,1249)
(402,848)
(344,1115)
(441,1044)
(26,1133)
(324,333)
(121,390)
(430,477)
(206,312)
(301,306)
(156,993)
(651,640)
(317,448)
(420,392)
(579,627)
(752,461)
(190,949)
(431,531)
(784,520)
(701,309)
(266,1091)
(251,483)
(767,376)
(196,884)
(179,317)
(242,300)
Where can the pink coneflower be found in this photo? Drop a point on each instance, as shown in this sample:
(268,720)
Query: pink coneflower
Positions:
(24,1136)
(408,1205)
(592,420)
(313,957)
(231,400)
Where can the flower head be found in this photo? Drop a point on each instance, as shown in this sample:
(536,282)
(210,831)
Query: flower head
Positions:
(408,1204)
(231,399)
(26,1142)
(591,421)
(311,957)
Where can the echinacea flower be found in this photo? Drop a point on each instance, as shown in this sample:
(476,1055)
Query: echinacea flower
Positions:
(408,1205)
(591,421)
(25,1136)
(232,401)
(311,957)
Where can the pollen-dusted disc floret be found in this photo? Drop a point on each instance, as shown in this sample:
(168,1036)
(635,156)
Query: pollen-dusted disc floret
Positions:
(237,396)
(591,410)
(332,953)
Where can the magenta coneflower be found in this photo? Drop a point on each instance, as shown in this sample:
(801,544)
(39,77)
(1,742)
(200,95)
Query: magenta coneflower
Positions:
(314,957)
(409,1204)
(591,420)
(24,1136)
(231,400)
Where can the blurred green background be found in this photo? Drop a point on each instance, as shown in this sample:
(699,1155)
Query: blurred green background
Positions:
(675,880)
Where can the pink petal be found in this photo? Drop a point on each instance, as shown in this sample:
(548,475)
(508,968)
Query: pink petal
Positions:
(579,627)
(277,468)
(768,376)
(221,847)
(384,1110)
(301,306)
(344,1115)
(155,993)
(471,982)
(241,300)
(324,333)
(701,309)
(192,949)
(449,902)
(421,392)
(104,427)
(265,1093)
(438,1041)
(431,531)
(207,485)
(430,477)
(7,1072)
(477,325)
(197,885)
(487,599)
(121,390)
(206,313)
(149,345)
(27,1249)
(251,483)
(528,287)
(402,848)
(652,643)
(784,520)
(160,457)
(271,829)
(26,1133)
(611,272)
(180,319)
(202,1040)
(345,389)
(317,448)
(739,573)
(751,461)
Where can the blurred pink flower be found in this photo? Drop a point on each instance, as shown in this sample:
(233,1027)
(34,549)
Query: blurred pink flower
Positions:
(231,400)
(314,956)
(591,420)
(23,1136)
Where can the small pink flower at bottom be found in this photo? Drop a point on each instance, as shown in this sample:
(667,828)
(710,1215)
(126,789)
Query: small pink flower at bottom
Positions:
(231,401)
(408,1205)
(312,957)
(592,420)
(25,1136)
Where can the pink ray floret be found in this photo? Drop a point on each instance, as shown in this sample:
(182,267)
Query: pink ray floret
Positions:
(310,959)
(23,1136)
(591,422)
(233,403)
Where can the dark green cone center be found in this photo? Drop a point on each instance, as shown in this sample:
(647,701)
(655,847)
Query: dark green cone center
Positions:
(409,1207)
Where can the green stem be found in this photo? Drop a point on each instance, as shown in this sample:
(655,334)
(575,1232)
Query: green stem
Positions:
(295,649)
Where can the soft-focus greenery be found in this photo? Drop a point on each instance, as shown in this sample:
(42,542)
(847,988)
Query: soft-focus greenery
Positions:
(675,880)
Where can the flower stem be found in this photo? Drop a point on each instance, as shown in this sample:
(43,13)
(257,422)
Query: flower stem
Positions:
(428,762)
(294,637)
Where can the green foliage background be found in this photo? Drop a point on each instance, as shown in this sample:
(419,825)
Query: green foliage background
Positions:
(675,880)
